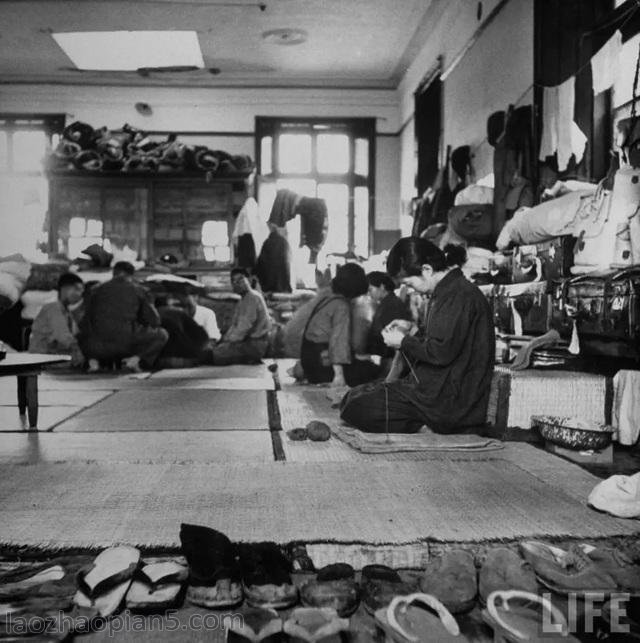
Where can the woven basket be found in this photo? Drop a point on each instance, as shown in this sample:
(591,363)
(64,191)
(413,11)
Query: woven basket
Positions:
(560,431)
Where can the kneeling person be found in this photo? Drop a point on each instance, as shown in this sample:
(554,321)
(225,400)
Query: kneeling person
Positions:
(450,363)
(247,339)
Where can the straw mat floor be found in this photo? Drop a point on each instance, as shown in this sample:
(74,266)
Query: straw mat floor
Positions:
(167,447)
(48,417)
(213,372)
(91,505)
(174,410)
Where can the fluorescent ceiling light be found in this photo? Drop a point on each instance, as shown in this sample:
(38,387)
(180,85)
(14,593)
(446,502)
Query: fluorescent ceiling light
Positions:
(130,50)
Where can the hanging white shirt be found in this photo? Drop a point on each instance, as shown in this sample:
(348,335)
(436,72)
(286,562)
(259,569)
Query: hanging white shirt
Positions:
(605,64)
(250,222)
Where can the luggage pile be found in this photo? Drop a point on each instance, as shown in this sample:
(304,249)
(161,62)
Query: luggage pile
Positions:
(130,150)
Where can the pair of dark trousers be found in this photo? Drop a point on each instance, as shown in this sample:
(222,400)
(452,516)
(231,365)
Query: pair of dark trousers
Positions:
(377,407)
(316,372)
(146,343)
(249,351)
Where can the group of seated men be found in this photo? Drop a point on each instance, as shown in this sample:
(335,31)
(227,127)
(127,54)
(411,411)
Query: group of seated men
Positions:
(117,322)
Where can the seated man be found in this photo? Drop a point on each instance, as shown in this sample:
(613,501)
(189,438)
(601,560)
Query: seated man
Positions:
(55,328)
(247,339)
(120,322)
(450,362)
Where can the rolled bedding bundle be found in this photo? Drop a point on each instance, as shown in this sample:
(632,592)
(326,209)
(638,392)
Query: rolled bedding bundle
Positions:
(14,272)
(88,160)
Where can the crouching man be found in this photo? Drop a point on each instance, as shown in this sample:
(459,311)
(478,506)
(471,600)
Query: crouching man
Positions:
(121,323)
(247,339)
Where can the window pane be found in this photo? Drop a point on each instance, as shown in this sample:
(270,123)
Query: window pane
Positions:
(362,157)
(361,222)
(294,153)
(215,233)
(28,151)
(265,155)
(333,153)
(304,187)
(337,197)
(266,197)
(3,151)
(77,227)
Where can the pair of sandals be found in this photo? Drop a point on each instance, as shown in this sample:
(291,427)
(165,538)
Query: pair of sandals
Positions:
(118,574)
(512,615)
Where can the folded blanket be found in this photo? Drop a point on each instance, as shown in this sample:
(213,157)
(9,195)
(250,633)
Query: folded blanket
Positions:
(426,440)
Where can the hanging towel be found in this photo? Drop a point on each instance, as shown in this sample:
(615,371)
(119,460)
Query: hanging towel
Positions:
(604,65)
(559,132)
(250,222)
(626,406)
(284,207)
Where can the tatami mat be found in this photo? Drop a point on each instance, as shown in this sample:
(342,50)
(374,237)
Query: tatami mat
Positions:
(56,398)
(167,447)
(85,382)
(174,410)
(300,404)
(76,504)
(48,416)
(229,384)
(214,372)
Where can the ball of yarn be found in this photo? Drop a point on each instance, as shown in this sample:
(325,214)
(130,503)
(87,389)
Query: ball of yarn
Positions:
(318,431)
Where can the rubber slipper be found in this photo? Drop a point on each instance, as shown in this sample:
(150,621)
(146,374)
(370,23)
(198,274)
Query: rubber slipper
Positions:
(314,624)
(523,622)
(103,586)
(334,587)
(404,622)
(214,575)
(110,568)
(254,624)
(157,586)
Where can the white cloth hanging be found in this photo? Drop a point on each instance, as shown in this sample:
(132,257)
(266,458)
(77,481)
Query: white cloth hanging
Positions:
(559,132)
(605,64)
(626,406)
(250,222)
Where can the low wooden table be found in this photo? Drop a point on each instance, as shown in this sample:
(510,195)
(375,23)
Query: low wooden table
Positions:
(26,367)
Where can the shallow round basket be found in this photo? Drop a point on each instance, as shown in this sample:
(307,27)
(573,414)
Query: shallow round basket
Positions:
(559,431)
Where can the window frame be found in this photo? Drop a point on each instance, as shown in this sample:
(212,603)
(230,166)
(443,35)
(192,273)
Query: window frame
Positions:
(354,128)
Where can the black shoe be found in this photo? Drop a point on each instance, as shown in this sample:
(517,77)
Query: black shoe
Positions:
(214,575)
(380,584)
(335,586)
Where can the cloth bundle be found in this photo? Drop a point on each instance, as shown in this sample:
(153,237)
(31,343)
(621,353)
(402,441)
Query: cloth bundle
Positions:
(132,150)
(14,272)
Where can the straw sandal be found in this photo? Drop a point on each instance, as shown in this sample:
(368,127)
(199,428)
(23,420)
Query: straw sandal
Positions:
(403,622)
(102,587)
(513,624)
(312,624)
(157,586)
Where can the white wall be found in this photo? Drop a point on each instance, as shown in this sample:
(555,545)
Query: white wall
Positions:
(496,71)
(224,111)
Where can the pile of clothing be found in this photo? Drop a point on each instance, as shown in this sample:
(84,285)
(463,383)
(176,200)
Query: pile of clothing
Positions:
(129,149)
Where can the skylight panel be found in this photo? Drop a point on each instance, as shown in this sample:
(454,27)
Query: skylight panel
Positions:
(130,50)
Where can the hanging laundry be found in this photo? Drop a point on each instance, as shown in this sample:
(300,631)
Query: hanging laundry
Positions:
(559,132)
(314,223)
(604,65)
(250,222)
(273,267)
(284,207)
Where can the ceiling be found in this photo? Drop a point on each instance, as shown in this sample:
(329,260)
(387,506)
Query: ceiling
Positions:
(351,43)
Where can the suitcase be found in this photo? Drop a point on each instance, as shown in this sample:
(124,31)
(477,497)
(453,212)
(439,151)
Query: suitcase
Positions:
(607,312)
(553,259)
(521,308)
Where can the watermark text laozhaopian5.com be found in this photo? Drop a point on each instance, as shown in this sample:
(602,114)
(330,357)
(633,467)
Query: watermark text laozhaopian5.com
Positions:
(583,611)
(126,621)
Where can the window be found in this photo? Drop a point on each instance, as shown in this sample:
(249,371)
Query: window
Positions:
(331,159)
(24,142)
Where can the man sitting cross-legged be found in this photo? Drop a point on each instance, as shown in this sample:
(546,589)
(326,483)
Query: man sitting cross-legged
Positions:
(246,340)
